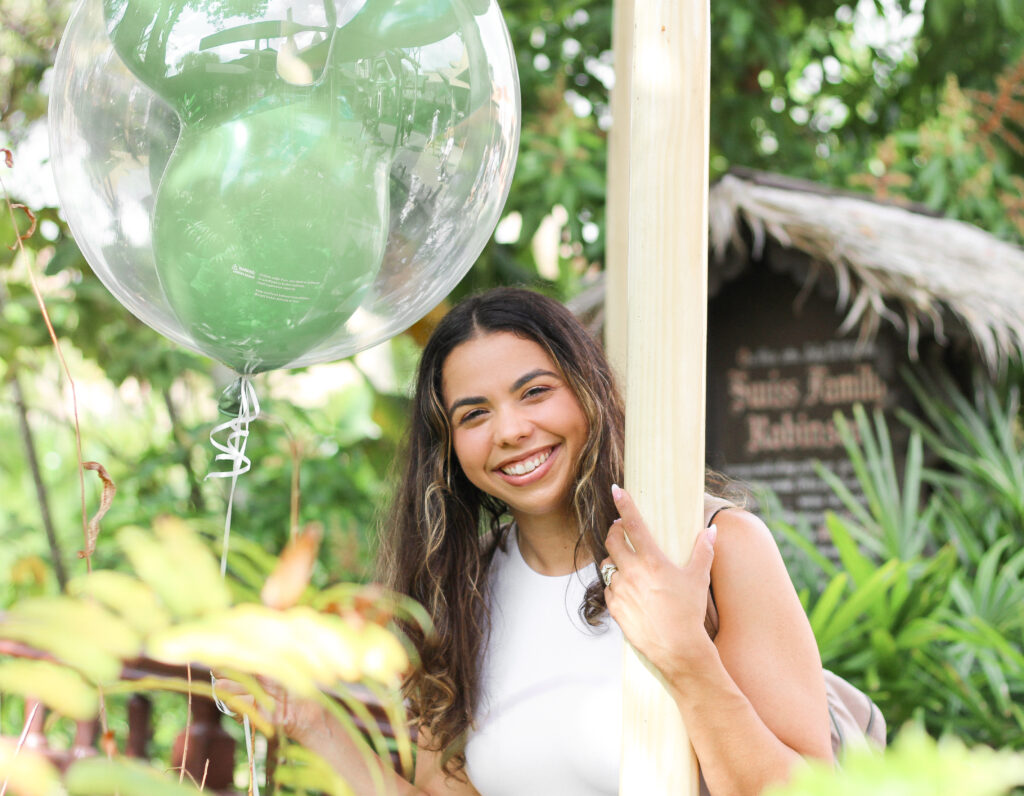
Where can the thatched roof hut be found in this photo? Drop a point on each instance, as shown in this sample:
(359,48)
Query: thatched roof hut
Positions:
(884,262)
(891,263)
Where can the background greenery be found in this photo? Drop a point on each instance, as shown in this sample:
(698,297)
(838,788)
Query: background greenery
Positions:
(921,99)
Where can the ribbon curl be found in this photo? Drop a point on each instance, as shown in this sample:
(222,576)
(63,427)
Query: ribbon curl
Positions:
(233,451)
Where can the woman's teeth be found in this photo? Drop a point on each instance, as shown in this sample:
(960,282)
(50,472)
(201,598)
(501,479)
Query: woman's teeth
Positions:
(526,466)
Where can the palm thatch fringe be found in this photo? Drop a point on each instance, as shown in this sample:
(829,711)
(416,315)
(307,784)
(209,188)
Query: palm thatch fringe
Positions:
(885,259)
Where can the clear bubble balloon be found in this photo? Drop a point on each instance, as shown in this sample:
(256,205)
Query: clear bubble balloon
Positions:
(281,182)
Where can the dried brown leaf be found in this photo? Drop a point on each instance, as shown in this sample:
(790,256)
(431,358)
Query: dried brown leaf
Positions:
(108,744)
(106,500)
(24,236)
(291,576)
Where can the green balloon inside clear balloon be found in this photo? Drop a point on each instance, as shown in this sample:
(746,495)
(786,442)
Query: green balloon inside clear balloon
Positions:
(271,215)
(267,232)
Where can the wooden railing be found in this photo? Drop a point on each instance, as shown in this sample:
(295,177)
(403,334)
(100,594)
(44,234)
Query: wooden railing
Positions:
(211,749)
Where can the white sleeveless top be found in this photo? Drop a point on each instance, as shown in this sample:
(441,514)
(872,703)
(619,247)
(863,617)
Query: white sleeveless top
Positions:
(550,716)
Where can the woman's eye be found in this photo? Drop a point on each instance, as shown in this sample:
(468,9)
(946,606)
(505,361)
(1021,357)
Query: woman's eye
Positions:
(535,392)
(472,414)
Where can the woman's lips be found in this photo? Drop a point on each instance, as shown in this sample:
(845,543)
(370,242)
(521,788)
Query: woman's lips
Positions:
(535,474)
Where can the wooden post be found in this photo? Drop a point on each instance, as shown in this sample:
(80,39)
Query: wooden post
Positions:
(617,192)
(667,309)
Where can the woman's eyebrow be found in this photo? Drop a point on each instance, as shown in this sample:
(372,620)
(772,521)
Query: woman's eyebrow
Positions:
(526,378)
(469,401)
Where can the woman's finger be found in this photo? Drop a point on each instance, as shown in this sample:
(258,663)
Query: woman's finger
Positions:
(618,546)
(636,529)
(704,550)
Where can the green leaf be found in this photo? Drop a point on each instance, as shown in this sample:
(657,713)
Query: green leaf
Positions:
(856,563)
(306,770)
(176,565)
(59,688)
(299,647)
(866,597)
(27,772)
(98,776)
(826,604)
(82,634)
(914,765)
(126,595)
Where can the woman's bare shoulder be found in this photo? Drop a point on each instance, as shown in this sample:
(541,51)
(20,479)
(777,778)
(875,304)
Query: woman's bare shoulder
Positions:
(740,530)
(748,575)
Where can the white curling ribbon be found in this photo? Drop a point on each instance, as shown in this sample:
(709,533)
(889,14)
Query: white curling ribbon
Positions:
(233,450)
(246,728)
(254,781)
(223,708)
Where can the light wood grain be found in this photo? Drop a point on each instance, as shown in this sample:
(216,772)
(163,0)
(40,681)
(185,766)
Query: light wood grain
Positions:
(667,308)
(617,199)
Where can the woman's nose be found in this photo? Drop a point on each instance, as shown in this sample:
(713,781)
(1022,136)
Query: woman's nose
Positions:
(511,427)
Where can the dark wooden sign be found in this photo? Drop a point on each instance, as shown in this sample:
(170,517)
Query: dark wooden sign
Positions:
(778,370)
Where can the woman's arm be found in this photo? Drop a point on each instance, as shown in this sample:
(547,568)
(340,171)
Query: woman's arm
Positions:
(754,699)
(310,724)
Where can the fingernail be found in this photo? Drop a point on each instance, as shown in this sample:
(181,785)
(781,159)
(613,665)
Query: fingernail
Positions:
(712,534)
(616,491)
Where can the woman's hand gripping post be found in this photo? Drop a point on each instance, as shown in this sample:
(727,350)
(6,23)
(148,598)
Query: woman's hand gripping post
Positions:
(659,605)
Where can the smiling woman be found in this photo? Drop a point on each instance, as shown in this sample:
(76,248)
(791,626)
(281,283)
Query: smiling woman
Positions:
(517,430)
(506,516)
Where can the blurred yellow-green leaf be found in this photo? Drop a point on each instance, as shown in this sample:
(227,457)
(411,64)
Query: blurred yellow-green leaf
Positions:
(98,776)
(126,595)
(301,648)
(82,634)
(176,564)
(384,657)
(914,765)
(305,770)
(249,638)
(58,687)
(27,773)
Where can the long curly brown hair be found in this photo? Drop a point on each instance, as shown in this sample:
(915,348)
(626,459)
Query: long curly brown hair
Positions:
(441,531)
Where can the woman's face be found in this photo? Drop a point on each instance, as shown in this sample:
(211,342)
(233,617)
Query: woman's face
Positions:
(517,426)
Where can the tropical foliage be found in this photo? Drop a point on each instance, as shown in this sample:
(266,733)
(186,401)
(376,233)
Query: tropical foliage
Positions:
(922,605)
(178,609)
(915,765)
